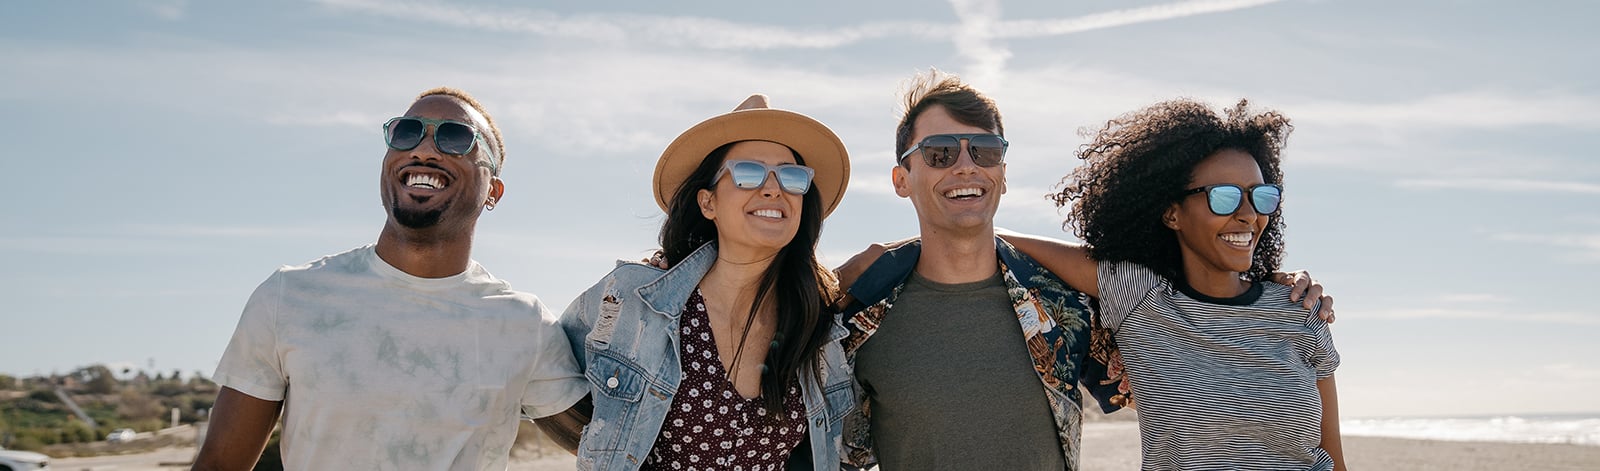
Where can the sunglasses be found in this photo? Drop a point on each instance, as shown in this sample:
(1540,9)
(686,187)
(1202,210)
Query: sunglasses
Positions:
(942,150)
(750,174)
(450,137)
(1225,199)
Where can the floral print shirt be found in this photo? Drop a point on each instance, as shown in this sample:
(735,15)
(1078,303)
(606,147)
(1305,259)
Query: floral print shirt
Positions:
(1059,326)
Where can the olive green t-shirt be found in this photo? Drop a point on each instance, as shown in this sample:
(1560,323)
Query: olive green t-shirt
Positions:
(952,385)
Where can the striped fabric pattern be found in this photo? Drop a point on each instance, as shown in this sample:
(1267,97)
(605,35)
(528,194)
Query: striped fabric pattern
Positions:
(1220,383)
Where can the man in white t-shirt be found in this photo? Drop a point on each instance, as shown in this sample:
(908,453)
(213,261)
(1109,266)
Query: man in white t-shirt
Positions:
(405,354)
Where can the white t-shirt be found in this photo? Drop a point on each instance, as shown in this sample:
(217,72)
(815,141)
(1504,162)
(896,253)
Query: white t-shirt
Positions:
(379,369)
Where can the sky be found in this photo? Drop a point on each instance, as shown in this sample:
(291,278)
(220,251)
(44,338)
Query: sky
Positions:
(166,155)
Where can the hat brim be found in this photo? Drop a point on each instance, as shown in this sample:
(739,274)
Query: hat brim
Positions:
(817,145)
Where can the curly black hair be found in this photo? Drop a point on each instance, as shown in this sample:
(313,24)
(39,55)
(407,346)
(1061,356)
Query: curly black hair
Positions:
(1140,164)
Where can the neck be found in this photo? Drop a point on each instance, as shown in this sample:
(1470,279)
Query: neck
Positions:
(422,256)
(950,259)
(1212,281)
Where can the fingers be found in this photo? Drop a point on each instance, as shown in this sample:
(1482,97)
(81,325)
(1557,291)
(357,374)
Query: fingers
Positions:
(1301,282)
(1313,294)
(657,260)
(1326,313)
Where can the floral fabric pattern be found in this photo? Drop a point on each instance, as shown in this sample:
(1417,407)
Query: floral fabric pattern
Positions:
(1058,325)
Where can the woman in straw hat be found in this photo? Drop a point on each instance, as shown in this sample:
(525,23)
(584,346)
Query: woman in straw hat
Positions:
(730,359)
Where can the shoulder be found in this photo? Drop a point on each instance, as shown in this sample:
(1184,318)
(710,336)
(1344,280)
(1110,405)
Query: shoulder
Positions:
(342,262)
(1027,271)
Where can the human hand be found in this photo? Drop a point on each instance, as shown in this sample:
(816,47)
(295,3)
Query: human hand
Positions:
(1308,291)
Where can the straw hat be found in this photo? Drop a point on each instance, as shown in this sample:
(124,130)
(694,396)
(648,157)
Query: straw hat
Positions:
(753,120)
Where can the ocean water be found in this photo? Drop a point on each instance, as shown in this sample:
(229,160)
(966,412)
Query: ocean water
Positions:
(1575,429)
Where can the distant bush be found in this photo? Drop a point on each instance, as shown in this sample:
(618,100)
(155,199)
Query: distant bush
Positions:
(44,395)
(27,442)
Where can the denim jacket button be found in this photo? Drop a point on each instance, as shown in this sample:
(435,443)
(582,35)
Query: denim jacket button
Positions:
(611,382)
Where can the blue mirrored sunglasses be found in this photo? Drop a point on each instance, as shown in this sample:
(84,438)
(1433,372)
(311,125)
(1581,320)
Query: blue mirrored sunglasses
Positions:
(750,174)
(1225,199)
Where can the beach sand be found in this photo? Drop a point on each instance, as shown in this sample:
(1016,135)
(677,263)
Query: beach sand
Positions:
(1109,446)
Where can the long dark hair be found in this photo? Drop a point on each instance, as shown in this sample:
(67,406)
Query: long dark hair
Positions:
(1140,163)
(795,280)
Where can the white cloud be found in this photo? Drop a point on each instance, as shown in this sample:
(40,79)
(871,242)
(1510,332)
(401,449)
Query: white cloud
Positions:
(1519,316)
(980,25)
(1470,110)
(170,10)
(1587,246)
(709,33)
(342,118)
(1501,185)
(1112,19)
(1472,298)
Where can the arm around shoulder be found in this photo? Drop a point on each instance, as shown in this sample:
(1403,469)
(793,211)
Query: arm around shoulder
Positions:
(238,432)
(1068,260)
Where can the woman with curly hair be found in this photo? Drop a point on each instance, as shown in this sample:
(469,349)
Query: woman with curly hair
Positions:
(1180,210)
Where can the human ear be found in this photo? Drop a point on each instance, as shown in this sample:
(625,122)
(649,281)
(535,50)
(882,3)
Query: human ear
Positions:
(707,206)
(1170,217)
(497,189)
(899,176)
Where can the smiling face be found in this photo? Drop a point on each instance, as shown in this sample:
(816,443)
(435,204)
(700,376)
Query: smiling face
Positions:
(1213,244)
(755,223)
(424,189)
(959,200)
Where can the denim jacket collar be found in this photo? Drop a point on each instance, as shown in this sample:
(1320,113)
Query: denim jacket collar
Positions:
(666,295)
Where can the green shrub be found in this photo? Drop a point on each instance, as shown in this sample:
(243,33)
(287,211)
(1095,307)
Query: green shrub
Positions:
(27,442)
(44,395)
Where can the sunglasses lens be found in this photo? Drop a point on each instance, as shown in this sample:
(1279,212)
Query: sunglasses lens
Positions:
(940,151)
(794,179)
(1225,199)
(404,133)
(1266,198)
(748,175)
(987,150)
(453,138)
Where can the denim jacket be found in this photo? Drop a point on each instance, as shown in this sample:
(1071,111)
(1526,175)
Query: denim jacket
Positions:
(1058,326)
(624,331)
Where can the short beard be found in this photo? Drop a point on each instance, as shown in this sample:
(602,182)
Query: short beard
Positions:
(415,219)
(418,219)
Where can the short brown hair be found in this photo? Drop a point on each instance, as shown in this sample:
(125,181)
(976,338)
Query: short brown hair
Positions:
(936,88)
(459,94)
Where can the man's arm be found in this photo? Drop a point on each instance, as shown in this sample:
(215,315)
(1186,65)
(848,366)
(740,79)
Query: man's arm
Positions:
(1331,442)
(240,426)
(566,428)
(1067,260)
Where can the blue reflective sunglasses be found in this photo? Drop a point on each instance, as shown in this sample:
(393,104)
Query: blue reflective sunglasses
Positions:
(449,136)
(750,174)
(1225,199)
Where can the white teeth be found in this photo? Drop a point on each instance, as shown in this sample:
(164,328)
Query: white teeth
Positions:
(959,192)
(424,181)
(768,213)
(1238,238)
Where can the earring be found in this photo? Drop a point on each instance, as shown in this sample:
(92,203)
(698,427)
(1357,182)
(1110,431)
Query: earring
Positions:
(489,205)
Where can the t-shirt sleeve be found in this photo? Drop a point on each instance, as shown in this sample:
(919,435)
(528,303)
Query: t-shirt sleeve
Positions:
(252,363)
(1321,354)
(556,383)
(1123,286)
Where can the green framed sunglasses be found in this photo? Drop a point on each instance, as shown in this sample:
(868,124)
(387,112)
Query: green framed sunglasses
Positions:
(449,136)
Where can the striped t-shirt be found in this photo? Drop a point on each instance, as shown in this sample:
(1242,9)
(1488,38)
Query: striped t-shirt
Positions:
(1220,383)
